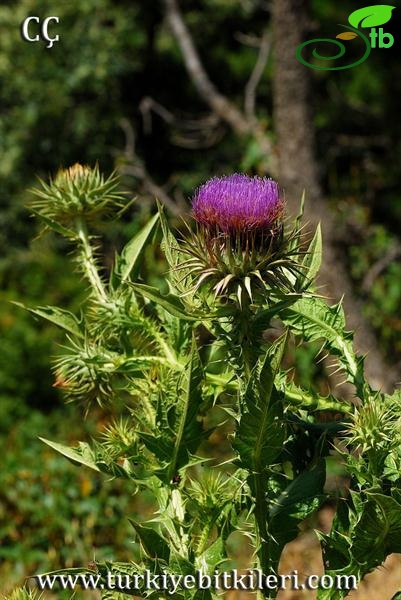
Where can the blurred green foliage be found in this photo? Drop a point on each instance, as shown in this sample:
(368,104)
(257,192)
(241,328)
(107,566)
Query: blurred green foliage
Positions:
(51,514)
(382,287)
(66,104)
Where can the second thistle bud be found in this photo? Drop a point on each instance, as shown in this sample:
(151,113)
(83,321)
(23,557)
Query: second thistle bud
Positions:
(78,191)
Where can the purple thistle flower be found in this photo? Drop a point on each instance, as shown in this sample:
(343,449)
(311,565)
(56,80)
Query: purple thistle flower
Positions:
(238,203)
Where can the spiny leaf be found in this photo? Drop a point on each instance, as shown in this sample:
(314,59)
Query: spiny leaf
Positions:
(263,318)
(129,261)
(169,241)
(160,445)
(173,256)
(153,544)
(313,258)
(211,557)
(171,303)
(188,427)
(82,455)
(378,531)
(295,499)
(314,320)
(58,316)
(51,224)
(371,16)
(261,429)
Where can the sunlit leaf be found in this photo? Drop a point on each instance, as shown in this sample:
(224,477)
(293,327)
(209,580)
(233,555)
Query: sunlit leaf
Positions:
(314,320)
(58,316)
(188,427)
(82,455)
(171,303)
(261,429)
(131,254)
(312,259)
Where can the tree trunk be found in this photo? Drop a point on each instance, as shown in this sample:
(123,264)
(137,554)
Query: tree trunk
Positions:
(298,171)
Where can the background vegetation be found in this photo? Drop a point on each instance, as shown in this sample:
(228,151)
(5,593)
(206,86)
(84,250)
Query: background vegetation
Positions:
(115,90)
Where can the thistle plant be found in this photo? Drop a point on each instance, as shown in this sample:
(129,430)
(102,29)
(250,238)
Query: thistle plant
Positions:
(169,358)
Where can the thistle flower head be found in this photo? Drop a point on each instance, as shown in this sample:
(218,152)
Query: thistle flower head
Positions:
(239,248)
(238,204)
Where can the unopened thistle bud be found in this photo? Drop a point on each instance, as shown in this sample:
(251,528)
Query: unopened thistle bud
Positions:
(79,191)
(239,246)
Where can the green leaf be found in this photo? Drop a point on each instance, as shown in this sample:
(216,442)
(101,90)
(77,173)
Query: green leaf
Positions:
(378,531)
(153,544)
(51,224)
(171,303)
(336,545)
(82,455)
(211,557)
(120,568)
(174,256)
(313,258)
(188,428)
(169,241)
(298,498)
(300,214)
(295,240)
(159,445)
(263,318)
(129,261)
(314,320)
(58,316)
(136,365)
(70,571)
(371,16)
(204,595)
(261,430)
(179,432)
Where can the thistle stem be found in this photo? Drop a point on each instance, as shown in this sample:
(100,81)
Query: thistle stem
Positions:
(262,537)
(249,359)
(88,261)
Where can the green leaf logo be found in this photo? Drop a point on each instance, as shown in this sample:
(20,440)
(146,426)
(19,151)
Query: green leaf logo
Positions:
(371,16)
